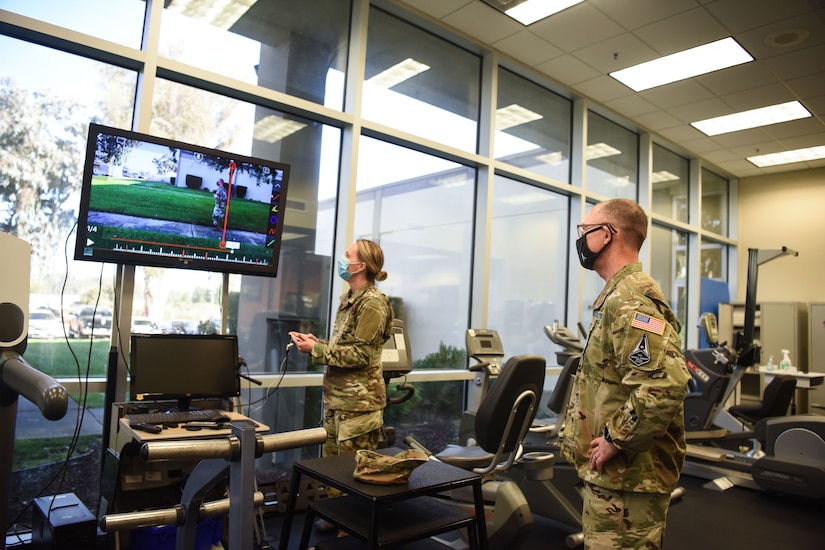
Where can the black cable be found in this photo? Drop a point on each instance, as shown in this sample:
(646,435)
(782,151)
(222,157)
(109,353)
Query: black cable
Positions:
(270,390)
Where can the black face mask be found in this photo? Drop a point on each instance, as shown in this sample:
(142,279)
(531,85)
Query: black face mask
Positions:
(586,256)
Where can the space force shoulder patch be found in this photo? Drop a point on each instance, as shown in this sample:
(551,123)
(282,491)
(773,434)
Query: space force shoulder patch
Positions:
(640,355)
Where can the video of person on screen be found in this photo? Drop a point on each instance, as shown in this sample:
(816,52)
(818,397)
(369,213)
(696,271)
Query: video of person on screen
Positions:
(150,198)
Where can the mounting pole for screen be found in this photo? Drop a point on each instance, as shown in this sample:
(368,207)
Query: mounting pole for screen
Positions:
(748,353)
(116,371)
(225,304)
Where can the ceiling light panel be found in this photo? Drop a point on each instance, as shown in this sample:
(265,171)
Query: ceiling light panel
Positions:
(685,64)
(788,157)
(529,11)
(764,116)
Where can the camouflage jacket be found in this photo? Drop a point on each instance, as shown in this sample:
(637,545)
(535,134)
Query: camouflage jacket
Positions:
(353,379)
(632,381)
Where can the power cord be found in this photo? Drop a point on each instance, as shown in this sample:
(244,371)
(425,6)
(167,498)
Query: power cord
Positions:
(272,389)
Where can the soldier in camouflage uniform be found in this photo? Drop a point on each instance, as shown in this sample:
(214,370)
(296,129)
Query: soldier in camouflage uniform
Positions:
(219,211)
(624,430)
(354,391)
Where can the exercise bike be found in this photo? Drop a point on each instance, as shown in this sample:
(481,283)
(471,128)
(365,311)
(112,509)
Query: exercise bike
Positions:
(534,482)
(501,421)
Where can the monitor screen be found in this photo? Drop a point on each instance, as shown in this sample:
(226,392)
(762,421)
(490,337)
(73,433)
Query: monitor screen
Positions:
(183,367)
(157,202)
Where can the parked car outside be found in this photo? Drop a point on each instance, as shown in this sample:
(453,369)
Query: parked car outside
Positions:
(144,325)
(87,322)
(179,327)
(43,323)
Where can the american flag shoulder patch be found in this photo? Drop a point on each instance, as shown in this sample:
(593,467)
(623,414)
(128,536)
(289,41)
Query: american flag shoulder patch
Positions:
(650,324)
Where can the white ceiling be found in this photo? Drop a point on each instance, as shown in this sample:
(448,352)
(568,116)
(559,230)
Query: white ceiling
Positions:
(581,45)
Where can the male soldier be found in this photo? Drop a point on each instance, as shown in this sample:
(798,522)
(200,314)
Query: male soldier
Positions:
(624,429)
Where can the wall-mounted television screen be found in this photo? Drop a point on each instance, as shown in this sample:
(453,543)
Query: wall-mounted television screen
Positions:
(157,202)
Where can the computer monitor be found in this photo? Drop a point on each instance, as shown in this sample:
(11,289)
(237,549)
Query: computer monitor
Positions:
(184,367)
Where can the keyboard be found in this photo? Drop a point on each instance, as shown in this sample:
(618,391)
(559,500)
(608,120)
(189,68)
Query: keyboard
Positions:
(177,417)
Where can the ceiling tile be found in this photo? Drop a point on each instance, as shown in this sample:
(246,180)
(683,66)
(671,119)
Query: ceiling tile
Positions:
(742,138)
(816,105)
(603,89)
(799,63)
(721,155)
(743,15)
(616,53)
(632,14)
(437,8)
(567,69)
(631,105)
(804,129)
(810,86)
(677,93)
(686,30)
(735,79)
(800,142)
(759,148)
(528,48)
(657,120)
(700,146)
(565,29)
(483,22)
(758,97)
(680,133)
(758,44)
(700,110)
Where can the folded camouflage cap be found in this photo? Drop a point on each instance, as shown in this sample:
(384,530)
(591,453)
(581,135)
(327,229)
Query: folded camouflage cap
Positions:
(373,467)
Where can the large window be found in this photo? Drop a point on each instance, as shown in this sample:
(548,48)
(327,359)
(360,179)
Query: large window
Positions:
(421,84)
(714,203)
(527,270)
(44,116)
(419,208)
(669,267)
(533,127)
(119,21)
(612,156)
(298,48)
(670,184)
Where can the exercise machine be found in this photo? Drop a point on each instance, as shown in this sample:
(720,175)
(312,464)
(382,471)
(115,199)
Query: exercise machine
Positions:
(788,453)
(17,377)
(532,482)
(502,419)
(233,456)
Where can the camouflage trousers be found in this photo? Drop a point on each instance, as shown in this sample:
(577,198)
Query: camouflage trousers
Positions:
(618,520)
(334,446)
(361,426)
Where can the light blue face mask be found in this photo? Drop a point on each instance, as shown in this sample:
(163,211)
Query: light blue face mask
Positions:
(343,265)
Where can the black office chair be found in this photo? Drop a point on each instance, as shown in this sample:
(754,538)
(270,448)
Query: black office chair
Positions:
(775,401)
(503,417)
